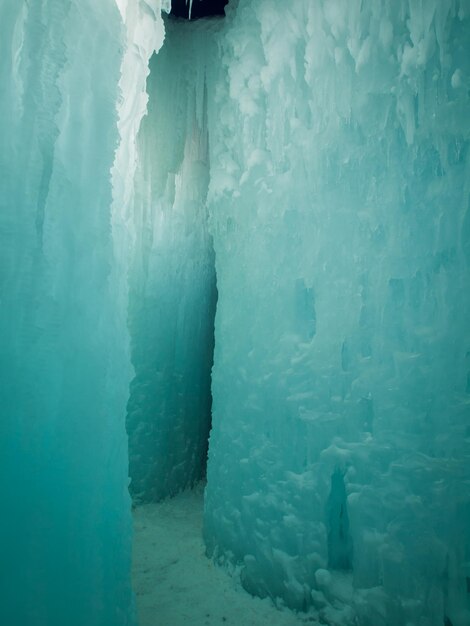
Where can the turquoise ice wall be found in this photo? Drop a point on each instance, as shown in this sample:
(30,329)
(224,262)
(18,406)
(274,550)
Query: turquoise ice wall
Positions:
(339,457)
(65,529)
(331,139)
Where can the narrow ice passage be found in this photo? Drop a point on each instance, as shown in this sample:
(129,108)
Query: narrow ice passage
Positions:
(172,279)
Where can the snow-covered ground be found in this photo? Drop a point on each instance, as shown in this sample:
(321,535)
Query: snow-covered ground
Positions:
(175,584)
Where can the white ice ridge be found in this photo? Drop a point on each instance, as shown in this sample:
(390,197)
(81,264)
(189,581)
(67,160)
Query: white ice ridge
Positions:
(145,34)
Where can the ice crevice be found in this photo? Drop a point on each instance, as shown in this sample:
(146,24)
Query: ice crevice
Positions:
(173,290)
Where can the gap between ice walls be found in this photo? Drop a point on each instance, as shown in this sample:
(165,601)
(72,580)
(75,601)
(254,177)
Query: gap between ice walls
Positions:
(172,279)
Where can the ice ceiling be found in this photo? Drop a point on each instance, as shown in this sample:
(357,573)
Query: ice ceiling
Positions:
(312,158)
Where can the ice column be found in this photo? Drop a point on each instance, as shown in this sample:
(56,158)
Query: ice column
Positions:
(65,369)
(172,280)
(339,202)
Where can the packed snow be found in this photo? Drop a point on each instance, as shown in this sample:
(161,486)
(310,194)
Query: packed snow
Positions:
(177,585)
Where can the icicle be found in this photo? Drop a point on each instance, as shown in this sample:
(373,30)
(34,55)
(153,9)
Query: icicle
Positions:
(166,6)
(190,7)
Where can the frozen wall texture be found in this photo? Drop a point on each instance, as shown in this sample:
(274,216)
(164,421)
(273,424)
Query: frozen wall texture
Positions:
(65,524)
(172,280)
(339,470)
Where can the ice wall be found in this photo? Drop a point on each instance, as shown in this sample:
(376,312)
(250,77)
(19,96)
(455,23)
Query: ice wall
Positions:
(339,471)
(64,363)
(173,293)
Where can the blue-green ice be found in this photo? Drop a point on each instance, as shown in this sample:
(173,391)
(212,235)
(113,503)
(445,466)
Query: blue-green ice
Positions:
(300,170)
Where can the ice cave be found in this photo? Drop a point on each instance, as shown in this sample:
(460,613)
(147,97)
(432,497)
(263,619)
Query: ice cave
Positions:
(235,312)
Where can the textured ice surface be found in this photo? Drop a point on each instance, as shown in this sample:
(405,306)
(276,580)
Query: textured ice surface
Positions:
(172,281)
(339,457)
(337,173)
(65,368)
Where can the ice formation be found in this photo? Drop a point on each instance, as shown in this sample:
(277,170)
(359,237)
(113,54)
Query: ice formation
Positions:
(323,149)
(65,530)
(172,280)
(339,468)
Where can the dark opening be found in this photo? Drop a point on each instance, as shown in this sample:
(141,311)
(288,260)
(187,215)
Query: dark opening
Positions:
(197,8)
(339,539)
(208,368)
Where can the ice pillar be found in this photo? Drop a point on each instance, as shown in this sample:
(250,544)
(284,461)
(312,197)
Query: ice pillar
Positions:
(65,369)
(339,202)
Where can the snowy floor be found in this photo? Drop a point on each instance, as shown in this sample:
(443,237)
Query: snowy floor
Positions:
(176,585)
